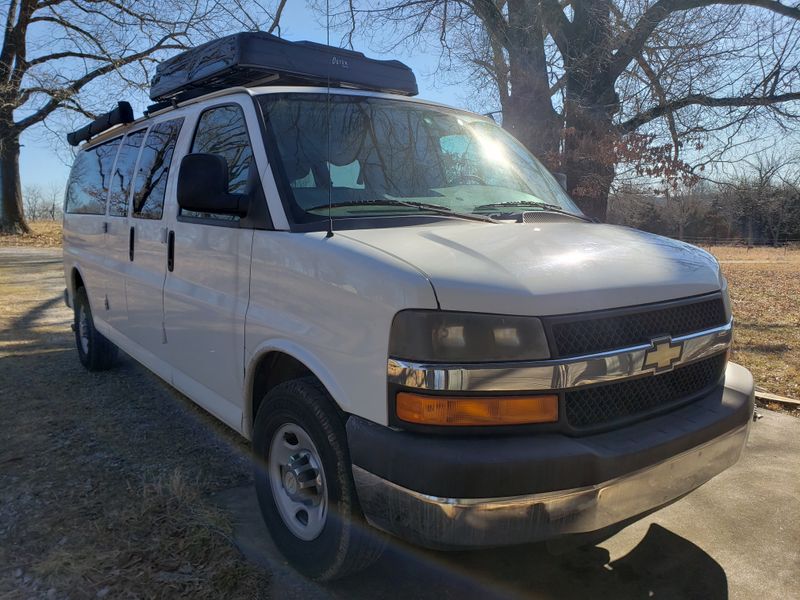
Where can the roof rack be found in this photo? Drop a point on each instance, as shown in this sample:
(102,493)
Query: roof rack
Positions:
(258,58)
(119,116)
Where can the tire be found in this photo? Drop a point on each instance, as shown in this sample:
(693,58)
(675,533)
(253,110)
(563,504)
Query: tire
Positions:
(96,353)
(299,439)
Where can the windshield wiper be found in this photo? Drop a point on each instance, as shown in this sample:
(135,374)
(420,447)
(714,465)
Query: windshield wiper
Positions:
(435,208)
(539,206)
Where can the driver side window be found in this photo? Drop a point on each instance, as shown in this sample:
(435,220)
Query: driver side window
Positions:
(222,130)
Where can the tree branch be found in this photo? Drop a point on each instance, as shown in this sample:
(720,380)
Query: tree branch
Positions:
(277,19)
(8,40)
(556,23)
(703,100)
(662,98)
(59,55)
(662,9)
(60,96)
(492,18)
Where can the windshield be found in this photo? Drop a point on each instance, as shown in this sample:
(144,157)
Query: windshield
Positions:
(392,157)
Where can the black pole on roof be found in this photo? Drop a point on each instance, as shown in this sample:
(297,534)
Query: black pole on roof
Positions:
(121,115)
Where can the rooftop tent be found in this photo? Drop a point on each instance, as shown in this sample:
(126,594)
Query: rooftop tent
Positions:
(257,58)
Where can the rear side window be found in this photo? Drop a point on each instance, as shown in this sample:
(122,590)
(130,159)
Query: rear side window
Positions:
(123,174)
(89,180)
(223,131)
(153,171)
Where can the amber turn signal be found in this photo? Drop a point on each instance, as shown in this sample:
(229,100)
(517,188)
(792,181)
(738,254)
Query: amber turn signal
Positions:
(475,410)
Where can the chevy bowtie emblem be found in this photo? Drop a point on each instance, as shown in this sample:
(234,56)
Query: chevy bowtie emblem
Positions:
(663,354)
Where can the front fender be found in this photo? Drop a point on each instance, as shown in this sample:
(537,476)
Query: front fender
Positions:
(299,353)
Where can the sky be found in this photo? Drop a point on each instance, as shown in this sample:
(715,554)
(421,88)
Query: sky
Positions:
(45,161)
(44,165)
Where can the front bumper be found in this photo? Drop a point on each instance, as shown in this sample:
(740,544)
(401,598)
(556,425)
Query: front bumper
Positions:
(454,492)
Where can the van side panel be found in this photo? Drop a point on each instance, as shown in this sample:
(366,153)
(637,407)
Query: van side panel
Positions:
(205,301)
(85,219)
(329,302)
(83,249)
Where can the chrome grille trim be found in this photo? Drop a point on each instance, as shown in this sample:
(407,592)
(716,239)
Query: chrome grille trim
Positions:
(552,374)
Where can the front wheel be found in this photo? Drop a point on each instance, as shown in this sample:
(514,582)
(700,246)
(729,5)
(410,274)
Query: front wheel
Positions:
(305,485)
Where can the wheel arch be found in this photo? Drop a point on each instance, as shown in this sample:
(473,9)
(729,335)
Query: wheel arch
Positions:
(74,282)
(276,362)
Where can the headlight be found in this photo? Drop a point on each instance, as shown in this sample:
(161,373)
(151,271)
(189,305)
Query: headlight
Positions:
(437,336)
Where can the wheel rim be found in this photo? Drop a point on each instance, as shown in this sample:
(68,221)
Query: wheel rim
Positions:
(298,481)
(83,328)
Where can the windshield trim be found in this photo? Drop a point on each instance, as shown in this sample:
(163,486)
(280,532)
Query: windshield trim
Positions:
(384,222)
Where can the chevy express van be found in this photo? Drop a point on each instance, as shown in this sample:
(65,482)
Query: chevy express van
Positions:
(420,332)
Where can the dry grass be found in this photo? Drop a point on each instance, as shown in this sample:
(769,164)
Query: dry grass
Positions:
(105,479)
(765,290)
(166,541)
(44,234)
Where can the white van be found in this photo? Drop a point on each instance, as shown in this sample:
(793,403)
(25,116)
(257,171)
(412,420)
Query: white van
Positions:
(401,308)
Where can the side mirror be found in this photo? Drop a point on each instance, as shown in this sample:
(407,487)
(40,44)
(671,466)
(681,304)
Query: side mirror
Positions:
(203,186)
(561,178)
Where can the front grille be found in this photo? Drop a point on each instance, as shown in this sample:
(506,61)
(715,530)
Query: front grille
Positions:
(605,404)
(590,333)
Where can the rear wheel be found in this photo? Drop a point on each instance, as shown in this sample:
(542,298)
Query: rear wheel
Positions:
(96,353)
(305,485)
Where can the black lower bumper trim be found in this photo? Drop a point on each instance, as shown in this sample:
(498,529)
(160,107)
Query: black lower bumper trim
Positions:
(484,467)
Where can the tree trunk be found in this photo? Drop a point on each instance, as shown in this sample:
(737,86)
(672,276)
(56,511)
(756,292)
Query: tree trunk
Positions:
(528,113)
(529,119)
(590,104)
(12,217)
(589,159)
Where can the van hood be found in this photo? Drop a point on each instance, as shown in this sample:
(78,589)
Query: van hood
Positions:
(547,268)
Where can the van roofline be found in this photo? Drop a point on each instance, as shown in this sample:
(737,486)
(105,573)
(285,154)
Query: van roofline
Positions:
(118,130)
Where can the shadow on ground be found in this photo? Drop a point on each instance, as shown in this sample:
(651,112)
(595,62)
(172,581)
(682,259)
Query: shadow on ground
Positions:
(662,565)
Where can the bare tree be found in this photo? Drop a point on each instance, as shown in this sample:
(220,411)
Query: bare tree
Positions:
(589,85)
(53,52)
(53,200)
(682,206)
(768,196)
(33,201)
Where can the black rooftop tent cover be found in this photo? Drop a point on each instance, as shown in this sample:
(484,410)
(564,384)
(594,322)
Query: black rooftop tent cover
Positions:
(257,58)
(119,116)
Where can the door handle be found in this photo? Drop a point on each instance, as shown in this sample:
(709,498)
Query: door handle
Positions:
(171,251)
(130,244)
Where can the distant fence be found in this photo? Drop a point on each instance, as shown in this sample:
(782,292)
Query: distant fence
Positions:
(739,241)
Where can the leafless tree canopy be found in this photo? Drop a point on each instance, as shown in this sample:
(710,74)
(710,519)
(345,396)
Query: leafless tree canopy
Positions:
(43,203)
(54,51)
(599,86)
(759,203)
